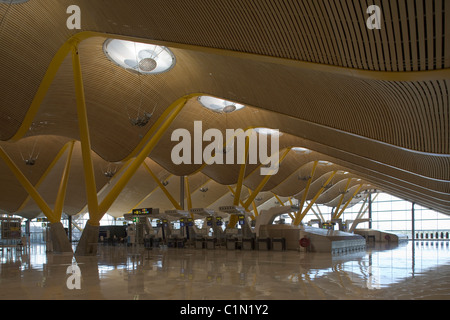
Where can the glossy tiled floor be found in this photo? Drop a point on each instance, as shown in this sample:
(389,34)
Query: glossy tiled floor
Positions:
(410,271)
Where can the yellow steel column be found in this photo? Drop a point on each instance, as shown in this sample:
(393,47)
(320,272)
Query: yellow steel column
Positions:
(342,198)
(28,187)
(358,216)
(320,213)
(163,188)
(59,203)
(290,201)
(361,214)
(263,182)
(305,193)
(237,194)
(233,221)
(281,202)
(300,217)
(314,211)
(255,208)
(140,158)
(47,171)
(88,167)
(290,214)
(45,84)
(188,192)
(255,211)
(278,199)
(234,217)
(145,140)
(234,194)
(348,201)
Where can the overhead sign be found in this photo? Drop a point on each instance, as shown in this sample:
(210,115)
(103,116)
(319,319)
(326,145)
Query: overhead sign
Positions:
(142,211)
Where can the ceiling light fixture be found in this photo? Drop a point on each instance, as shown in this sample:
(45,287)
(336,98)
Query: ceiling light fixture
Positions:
(164,183)
(219,105)
(139,57)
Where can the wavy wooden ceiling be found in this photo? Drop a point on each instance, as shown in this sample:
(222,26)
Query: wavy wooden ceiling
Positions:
(395,135)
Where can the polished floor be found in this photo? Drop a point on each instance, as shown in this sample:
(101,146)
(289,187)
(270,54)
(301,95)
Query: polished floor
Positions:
(414,270)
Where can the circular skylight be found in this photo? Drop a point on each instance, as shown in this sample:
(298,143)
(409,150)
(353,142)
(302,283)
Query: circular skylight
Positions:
(219,105)
(139,57)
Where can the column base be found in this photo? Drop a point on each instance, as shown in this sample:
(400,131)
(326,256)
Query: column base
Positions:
(59,238)
(87,246)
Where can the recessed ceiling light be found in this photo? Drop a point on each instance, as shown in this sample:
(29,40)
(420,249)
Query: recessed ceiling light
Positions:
(325,163)
(139,57)
(219,105)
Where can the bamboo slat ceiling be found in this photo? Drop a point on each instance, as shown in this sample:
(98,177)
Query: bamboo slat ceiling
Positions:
(296,65)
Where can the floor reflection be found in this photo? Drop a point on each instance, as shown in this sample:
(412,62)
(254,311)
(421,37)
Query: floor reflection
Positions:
(121,272)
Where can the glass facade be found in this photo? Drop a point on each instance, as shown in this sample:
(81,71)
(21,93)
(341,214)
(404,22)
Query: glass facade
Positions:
(390,213)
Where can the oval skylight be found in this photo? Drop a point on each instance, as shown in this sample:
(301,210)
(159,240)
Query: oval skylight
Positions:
(139,57)
(268,131)
(301,150)
(219,105)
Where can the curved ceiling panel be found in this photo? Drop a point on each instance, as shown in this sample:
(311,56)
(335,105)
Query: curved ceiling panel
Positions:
(375,103)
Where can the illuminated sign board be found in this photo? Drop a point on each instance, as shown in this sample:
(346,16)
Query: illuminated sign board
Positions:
(186,222)
(209,221)
(162,223)
(143,211)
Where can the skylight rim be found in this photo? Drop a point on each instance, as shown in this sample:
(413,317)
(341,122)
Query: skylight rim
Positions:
(268,131)
(218,105)
(164,63)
